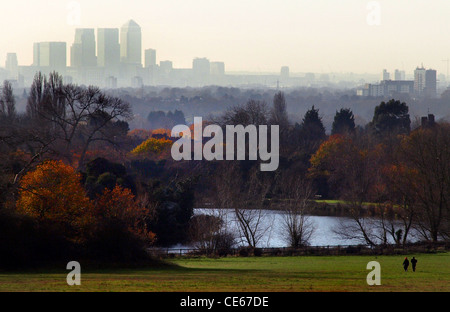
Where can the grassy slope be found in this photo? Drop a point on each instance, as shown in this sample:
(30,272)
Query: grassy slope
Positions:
(311,273)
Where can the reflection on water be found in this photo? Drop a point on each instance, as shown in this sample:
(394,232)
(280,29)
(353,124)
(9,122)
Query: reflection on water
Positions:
(272,228)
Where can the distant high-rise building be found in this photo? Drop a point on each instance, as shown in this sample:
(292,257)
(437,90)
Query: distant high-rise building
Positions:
(130,44)
(201,70)
(165,67)
(217,68)
(419,80)
(430,83)
(284,72)
(425,82)
(150,58)
(50,55)
(82,51)
(11,64)
(36,51)
(201,67)
(399,74)
(385,75)
(108,49)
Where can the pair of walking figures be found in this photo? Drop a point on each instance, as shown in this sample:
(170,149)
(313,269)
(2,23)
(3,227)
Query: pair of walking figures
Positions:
(413,264)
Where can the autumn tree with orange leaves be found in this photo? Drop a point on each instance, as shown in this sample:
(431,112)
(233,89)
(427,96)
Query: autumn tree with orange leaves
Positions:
(119,206)
(351,166)
(53,193)
(152,146)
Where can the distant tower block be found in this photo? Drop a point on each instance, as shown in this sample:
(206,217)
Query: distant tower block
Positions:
(82,51)
(399,75)
(425,82)
(12,65)
(108,49)
(49,56)
(217,68)
(150,58)
(131,43)
(284,73)
(385,75)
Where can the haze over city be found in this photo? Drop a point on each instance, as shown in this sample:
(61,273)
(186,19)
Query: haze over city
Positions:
(257,36)
(225,146)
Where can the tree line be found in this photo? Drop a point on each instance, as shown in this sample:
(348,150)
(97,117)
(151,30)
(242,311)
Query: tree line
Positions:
(70,186)
(390,179)
(75,181)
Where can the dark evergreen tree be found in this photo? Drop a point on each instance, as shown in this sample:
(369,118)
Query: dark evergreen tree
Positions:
(312,126)
(391,118)
(101,173)
(160,119)
(344,122)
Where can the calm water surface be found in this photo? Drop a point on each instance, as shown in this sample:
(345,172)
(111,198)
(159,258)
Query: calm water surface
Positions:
(272,228)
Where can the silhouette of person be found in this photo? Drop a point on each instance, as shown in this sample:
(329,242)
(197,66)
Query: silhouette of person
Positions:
(413,263)
(406,264)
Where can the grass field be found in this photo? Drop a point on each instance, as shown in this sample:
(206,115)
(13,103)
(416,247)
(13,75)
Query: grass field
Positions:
(272,274)
(338,201)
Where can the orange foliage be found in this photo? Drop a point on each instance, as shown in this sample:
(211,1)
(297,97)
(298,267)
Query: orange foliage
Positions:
(142,134)
(203,125)
(108,152)
(335,145)
(53,192)
(400,175)
(152,145)
(162,131)
(119,205)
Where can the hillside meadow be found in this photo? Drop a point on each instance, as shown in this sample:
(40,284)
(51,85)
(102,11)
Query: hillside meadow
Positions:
(245,274)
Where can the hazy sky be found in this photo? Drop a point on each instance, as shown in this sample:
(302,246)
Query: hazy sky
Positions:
(250,35)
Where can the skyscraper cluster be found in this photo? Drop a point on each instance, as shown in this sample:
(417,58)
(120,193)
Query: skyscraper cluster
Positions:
(110,57)
(101,58)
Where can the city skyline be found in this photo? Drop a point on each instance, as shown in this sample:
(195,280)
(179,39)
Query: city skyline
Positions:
(116,58)
(112,58)
(110,47)
(308,36)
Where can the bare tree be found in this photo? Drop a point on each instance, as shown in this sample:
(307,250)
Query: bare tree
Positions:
(75,117)
(35,99)
(297,226)
(207,232)
(245,195)
(252,113)
(402,205)
(426,153)
(278,113)
(7,101)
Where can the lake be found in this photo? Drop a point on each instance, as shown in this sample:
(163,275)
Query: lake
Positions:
(272,228)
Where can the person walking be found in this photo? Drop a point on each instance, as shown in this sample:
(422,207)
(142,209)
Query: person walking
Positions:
(406,264)
(413,263)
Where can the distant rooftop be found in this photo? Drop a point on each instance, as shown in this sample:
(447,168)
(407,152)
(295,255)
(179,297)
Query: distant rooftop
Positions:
(130,23)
